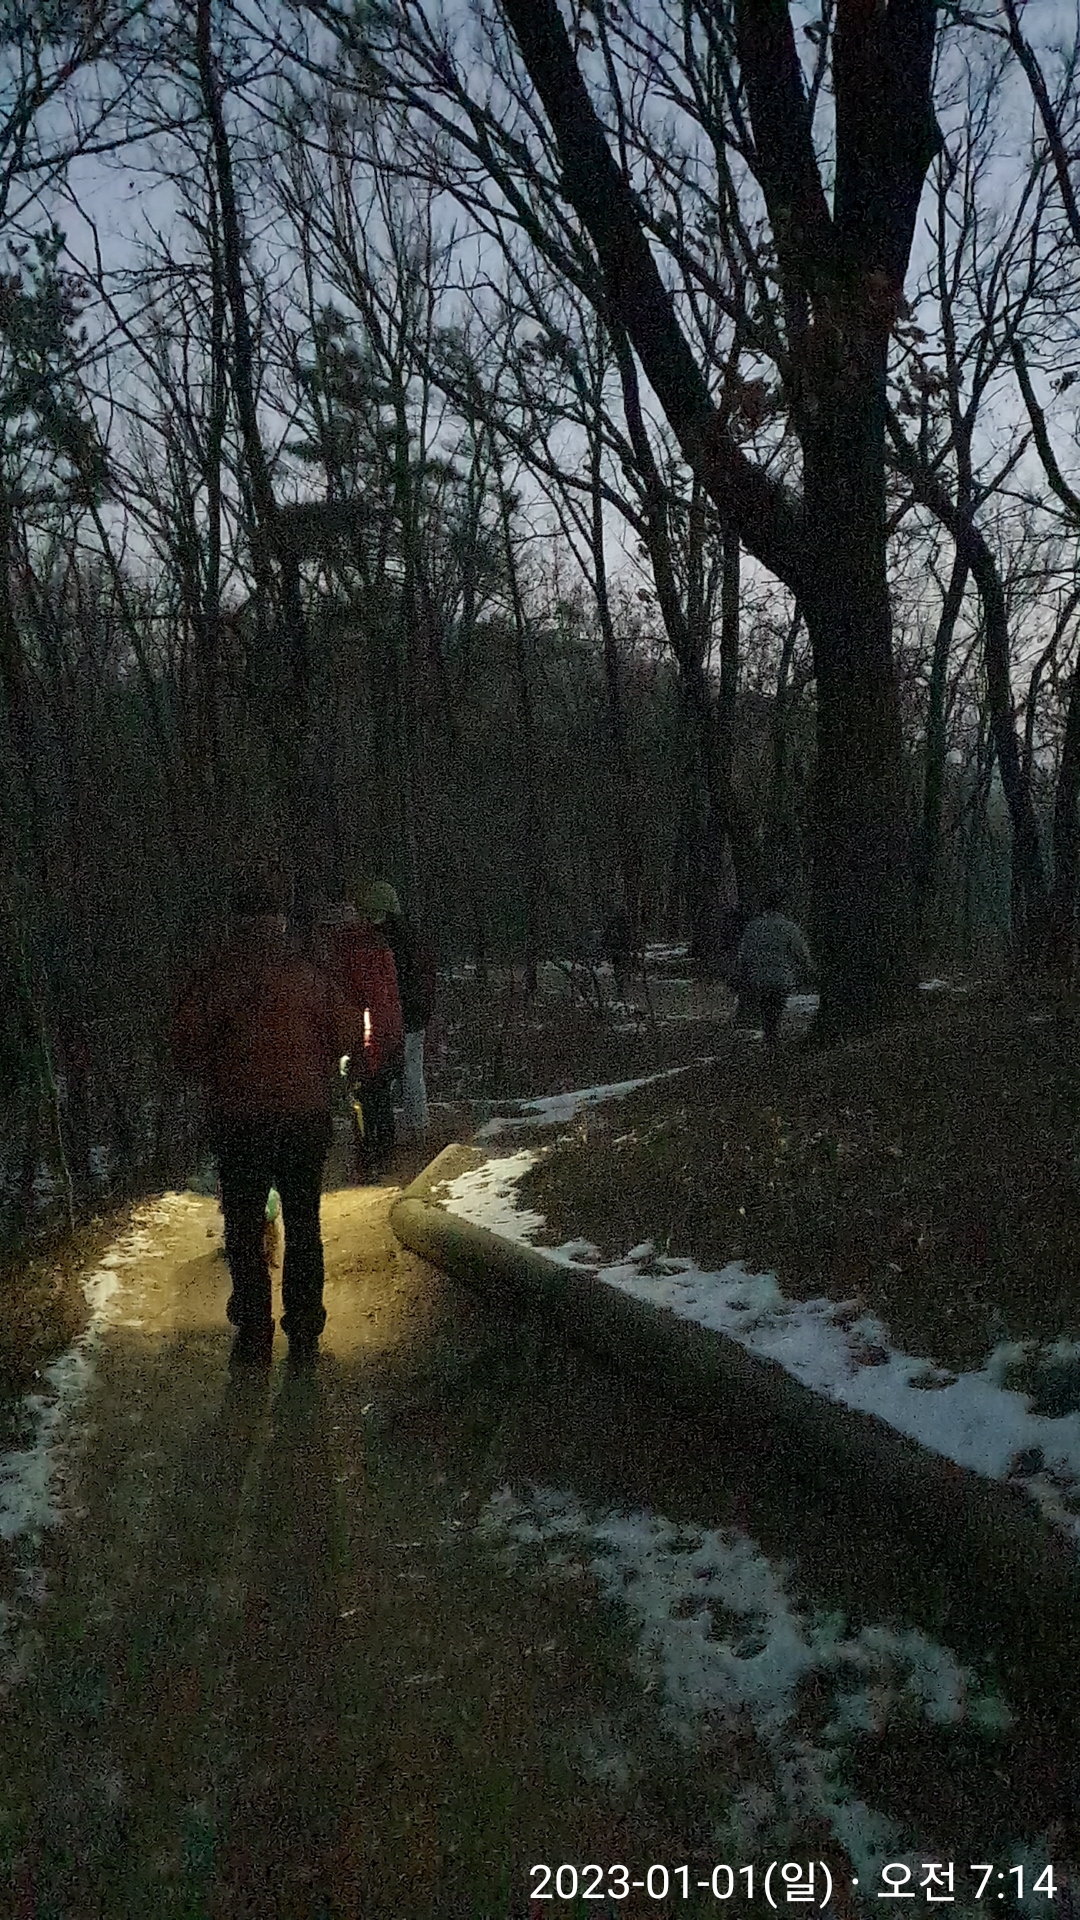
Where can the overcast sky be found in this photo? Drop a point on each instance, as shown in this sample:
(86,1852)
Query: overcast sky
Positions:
(132,208)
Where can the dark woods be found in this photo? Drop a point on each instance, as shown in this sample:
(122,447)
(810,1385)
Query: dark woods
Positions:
(568,517)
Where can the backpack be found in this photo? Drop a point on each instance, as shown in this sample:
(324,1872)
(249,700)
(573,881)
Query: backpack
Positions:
(365,968)
(415,962)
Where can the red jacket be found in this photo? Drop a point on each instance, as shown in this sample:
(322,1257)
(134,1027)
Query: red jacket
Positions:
(262,1032)
(363,964)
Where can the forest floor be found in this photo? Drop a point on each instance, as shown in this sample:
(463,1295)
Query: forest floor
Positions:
(382,1638)
(932,1171)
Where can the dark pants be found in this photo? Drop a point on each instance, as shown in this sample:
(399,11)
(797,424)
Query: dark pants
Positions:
(773,1002)
(286,1151)
(761,1003)
(374,1133)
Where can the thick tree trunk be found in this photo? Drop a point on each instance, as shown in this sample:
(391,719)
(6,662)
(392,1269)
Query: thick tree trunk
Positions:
(863,922)
(843,265)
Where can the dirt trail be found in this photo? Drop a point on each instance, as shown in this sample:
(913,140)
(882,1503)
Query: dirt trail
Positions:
(266,1667)
(267,1670)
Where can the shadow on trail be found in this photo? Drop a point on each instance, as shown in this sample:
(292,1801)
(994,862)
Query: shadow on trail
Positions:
(277,1676)
(292,1726)
(119,1735)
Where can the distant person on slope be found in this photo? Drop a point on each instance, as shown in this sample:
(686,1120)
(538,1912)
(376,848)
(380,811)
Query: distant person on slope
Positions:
(619,947)
(773,959)
(414,959)
(360,958)
(262,1029)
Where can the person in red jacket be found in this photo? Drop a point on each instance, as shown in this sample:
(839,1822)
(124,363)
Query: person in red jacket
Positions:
(261,1030)
(414,959)
(362,962)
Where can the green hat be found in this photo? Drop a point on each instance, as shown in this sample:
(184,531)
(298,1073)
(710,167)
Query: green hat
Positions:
(377,901)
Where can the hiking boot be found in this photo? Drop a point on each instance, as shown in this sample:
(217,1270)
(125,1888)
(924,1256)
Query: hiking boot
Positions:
(303,1349)
(253,1346)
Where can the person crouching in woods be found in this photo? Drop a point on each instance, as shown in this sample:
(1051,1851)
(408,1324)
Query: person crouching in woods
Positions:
(414,959)
(360,958)
(262,1029)
(773,959)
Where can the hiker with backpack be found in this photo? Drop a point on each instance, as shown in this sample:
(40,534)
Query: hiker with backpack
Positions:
(414,961)
(362,962)
(772,960)
(620,945)
(261,1029)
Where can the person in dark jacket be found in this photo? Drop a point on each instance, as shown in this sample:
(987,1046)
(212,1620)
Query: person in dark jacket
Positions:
(414,959)
(361,960)
(773,959)
(620,946)
(261,1030)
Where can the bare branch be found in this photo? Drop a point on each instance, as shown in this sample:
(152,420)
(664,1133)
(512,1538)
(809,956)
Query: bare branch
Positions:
(756,504)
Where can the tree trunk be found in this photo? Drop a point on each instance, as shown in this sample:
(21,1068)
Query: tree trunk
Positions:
(972,543)
(846,265)
(1061,940)
(713,833)
(861,855)
(976,836)
(626,835)
(734,819)
(926,873)
(480,942)
(719,823)
(408,484)
(1026,853)
(533,866)
(290,697)
(780,822)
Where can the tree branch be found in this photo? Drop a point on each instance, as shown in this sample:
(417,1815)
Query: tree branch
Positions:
(1048,115)
(758,506)
(1056,479)
(886,132)
(784,162)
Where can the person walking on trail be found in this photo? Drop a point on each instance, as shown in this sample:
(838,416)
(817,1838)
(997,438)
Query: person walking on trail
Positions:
(261,1029)
(773,959)
(414,959)
(620,947)
(360,959)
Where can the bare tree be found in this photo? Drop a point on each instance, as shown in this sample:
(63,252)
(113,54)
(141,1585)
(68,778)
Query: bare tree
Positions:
(945,390)
(840,270)
(1041,316)
(277,564)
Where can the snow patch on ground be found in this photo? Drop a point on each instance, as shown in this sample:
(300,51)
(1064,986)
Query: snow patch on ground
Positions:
(31,1471)
(560,1107)
(721,1642)
(835,1348)
(491,1200)
(802,1005)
